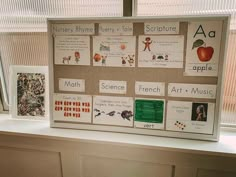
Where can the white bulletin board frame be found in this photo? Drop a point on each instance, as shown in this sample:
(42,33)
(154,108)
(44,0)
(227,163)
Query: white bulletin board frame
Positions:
(56,71)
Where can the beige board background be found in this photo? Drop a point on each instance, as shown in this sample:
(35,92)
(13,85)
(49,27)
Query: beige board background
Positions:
(92,74)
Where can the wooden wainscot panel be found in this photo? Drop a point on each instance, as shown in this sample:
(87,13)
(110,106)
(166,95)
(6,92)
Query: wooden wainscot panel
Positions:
(107,167)
(215,173)
(27,163)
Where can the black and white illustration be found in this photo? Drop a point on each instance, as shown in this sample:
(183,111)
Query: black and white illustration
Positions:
(30,94)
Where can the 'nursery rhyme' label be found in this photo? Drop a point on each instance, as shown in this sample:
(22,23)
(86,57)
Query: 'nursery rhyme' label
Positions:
(62,29)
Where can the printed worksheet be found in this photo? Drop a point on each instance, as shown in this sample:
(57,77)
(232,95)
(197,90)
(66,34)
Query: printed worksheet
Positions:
(114,51)
(203,48)
(196,117)
(149,113)
(108,110)
(161,51)
(72,50)
(72,108)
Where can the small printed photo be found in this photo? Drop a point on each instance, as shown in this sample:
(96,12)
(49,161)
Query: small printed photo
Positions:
(31,94)
(199,112)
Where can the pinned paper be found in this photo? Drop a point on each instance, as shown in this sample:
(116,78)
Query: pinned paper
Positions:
(149,113)
(114,51)
(161,28)
(150,88)
(115,29)
(192,90)
(74,85)
(161,51)
(113,110)
(110,86)
(196,117)
(203,48)
(75,29)
(72,50)
(72,108)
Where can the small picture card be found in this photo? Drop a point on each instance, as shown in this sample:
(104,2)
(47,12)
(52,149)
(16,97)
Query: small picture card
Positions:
(195,117)
(73,29)
(150,88)
(203,48)
(161,28)
(161,51)
(192,90)
(110,86)
(109,110)
(149,113)
(72,50)
(115,29)
(114,51)
(73,85)
(29,95)
(72,108)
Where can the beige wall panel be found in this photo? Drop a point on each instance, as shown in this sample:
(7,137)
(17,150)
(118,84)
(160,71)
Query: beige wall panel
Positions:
(215,173)
(16,162)
(106,167)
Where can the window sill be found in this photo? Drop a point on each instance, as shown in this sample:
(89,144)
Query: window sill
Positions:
(41,129)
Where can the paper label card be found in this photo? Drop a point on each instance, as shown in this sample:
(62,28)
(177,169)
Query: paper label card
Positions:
(110,86)
(114,51)
(150,88)
(114,29)
(161,28)
(197,117)
(74,85)
(109,110)
(72,108)
(161,51)
(72,50)
(149,113)
(75,29)
(192,90)
(203,48)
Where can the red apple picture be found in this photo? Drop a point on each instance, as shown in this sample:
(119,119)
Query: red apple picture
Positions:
(122,46)
(205,53)
(97,57)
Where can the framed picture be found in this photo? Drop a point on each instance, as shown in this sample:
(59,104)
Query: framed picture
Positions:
(29,92)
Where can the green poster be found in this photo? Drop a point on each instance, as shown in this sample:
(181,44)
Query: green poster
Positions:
(151,111)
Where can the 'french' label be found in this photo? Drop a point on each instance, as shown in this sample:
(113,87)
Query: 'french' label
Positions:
(150,88)
(74,85)
(109,86)
(161,28)
(192,90)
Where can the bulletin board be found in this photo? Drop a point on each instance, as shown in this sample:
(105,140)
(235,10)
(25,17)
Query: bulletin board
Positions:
(153,76)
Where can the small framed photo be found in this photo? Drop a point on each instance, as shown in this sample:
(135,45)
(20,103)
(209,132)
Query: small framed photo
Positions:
(199,112)
(29,92)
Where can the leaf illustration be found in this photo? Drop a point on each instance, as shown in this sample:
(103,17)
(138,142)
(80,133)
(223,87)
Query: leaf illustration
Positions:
(197,43)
